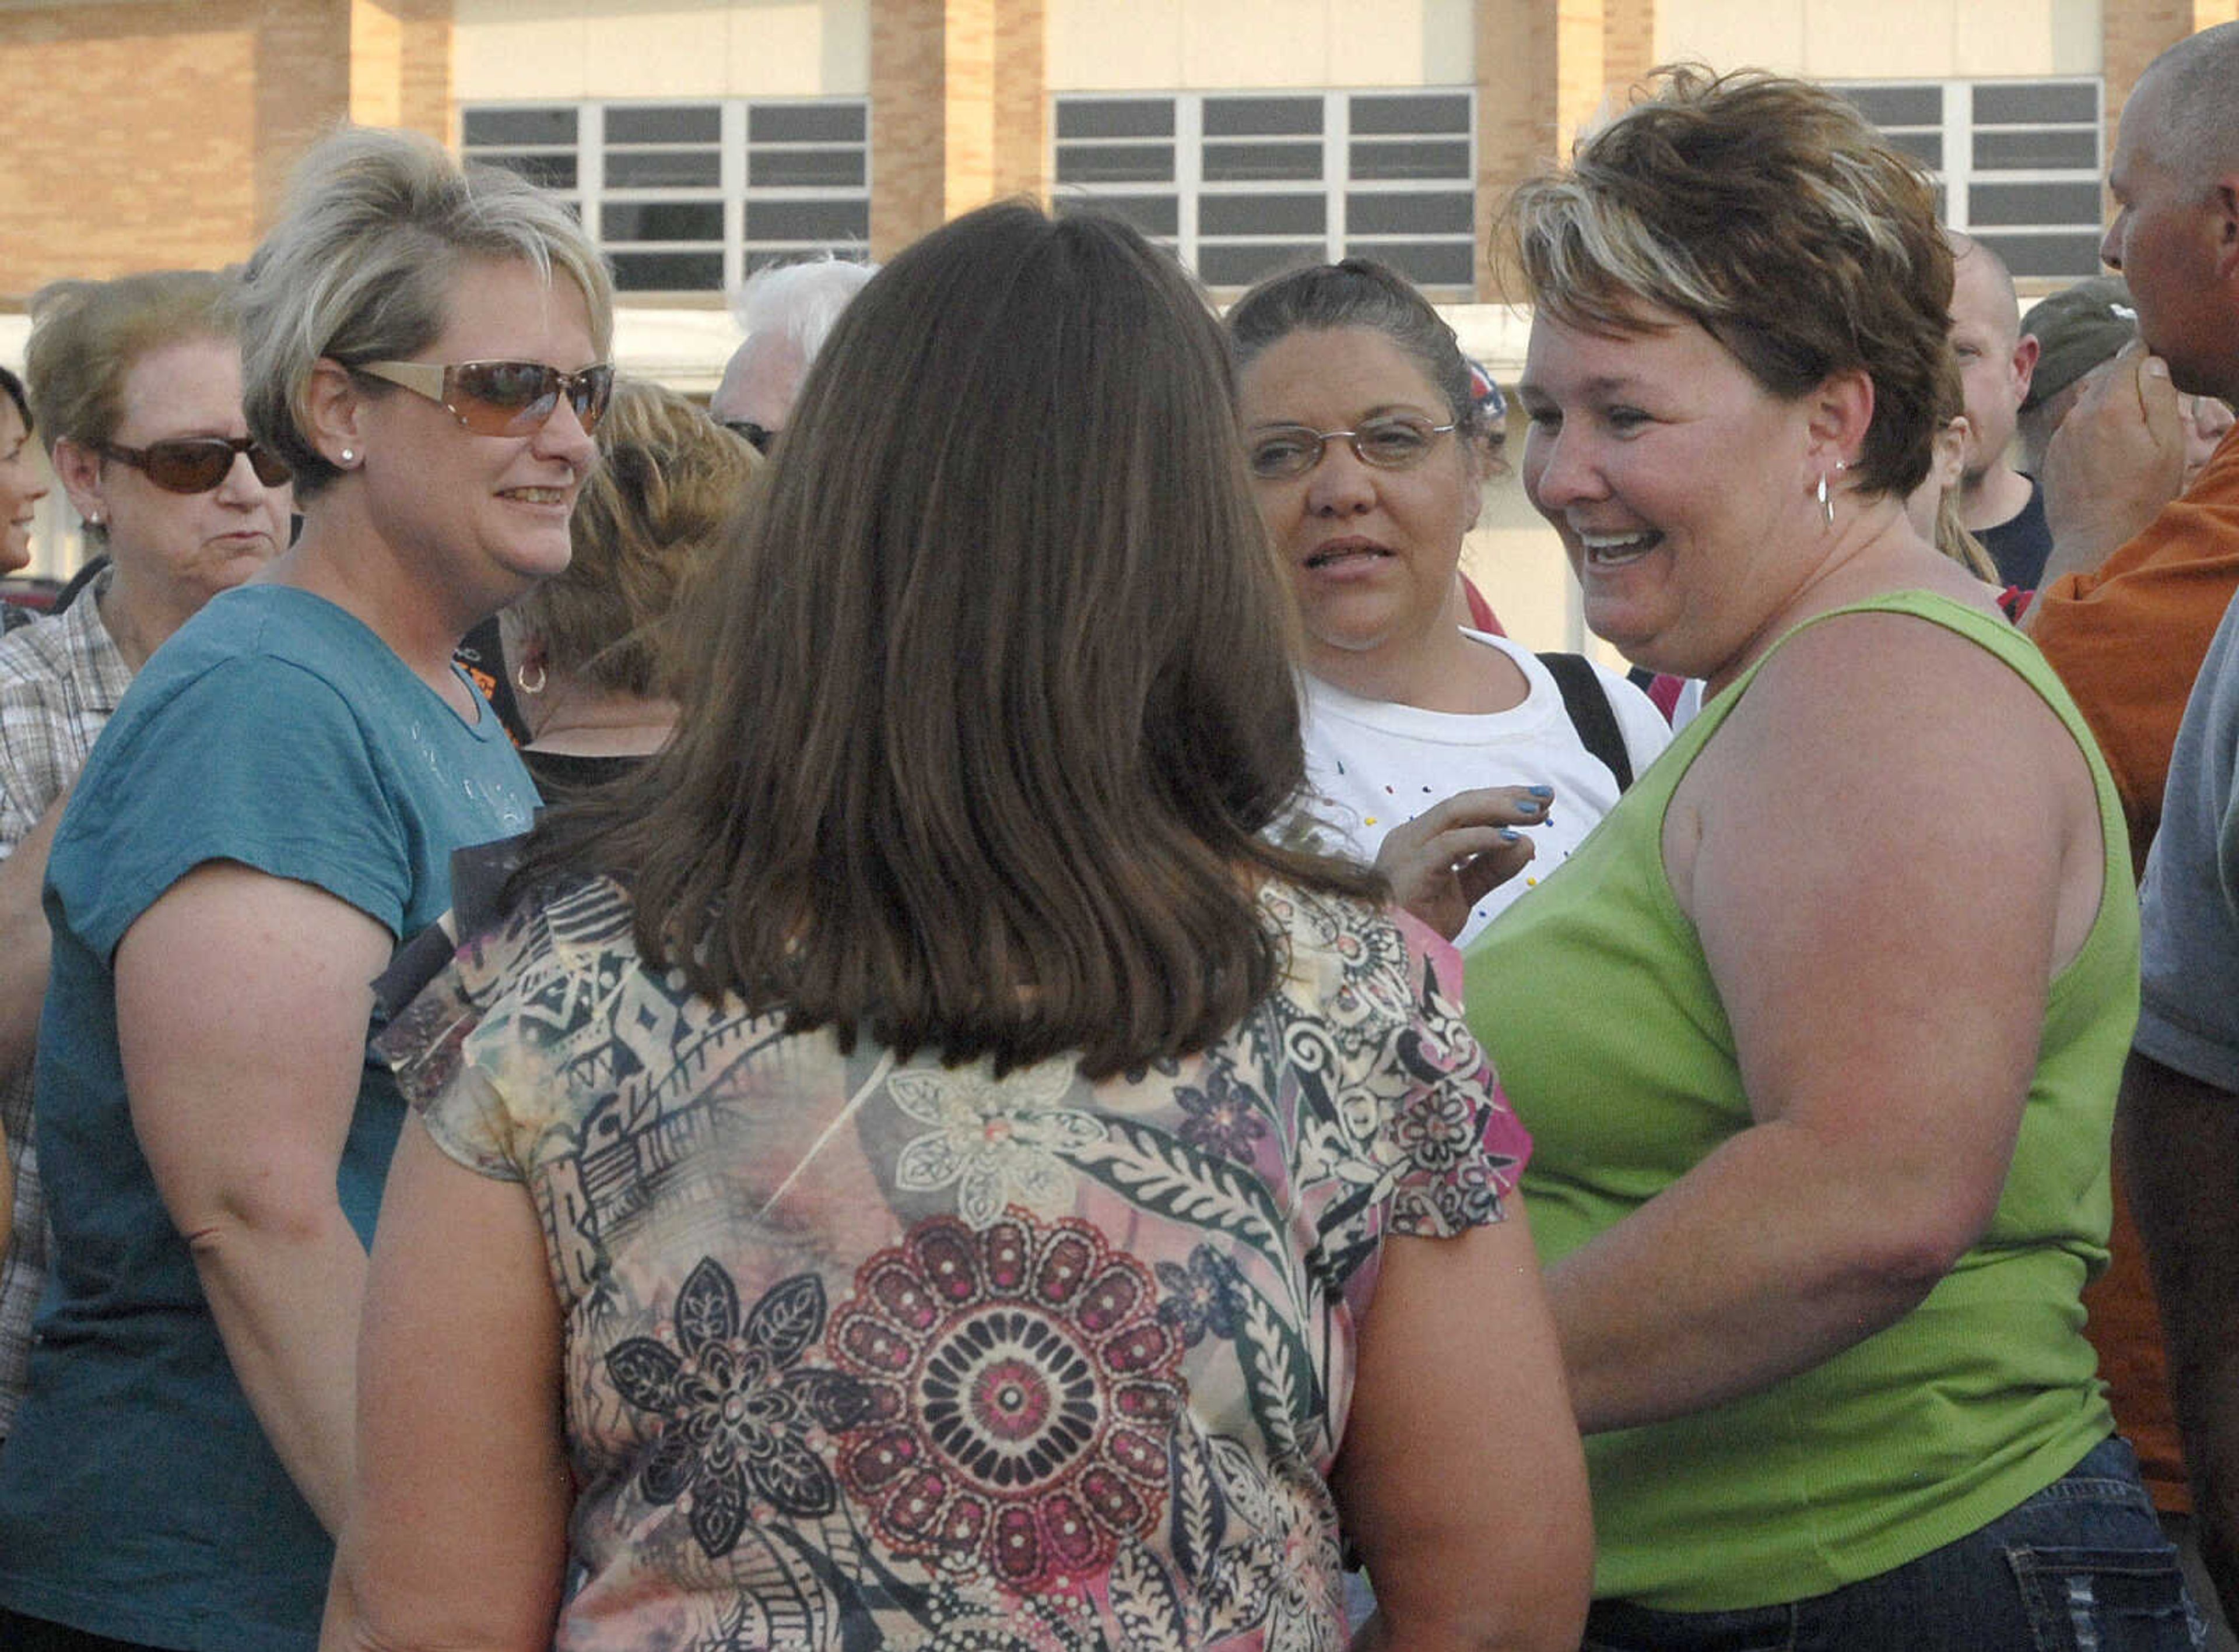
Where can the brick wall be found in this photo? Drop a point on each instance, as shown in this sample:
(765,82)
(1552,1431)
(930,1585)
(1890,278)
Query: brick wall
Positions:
(131,134)
(1543,67)
(160,135)
(957,101)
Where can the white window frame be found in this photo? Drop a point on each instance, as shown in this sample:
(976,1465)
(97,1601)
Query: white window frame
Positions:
(1960,177)
(1190,189)
(591,194)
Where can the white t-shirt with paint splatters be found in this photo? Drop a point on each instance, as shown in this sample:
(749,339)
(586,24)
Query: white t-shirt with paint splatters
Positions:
(1375,764)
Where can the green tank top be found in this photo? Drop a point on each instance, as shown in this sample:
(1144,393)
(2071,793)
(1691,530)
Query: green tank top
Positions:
(1602,1018)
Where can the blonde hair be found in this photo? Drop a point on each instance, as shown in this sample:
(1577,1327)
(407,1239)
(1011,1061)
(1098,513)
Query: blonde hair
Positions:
(86,336)
(669,483)
(376,228)
(1962,547)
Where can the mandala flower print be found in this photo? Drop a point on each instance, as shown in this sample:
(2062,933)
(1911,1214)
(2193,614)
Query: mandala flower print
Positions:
(999,1141)
(736,1411)
(1020,1387)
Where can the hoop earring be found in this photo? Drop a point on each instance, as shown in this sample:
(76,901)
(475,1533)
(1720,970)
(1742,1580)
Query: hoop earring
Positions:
(1826,501)
(520,678)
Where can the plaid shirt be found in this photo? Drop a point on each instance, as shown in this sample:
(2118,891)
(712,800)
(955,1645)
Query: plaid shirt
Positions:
(60,679)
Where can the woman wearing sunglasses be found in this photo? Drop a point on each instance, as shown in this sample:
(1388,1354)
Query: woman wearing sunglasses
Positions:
(1458,745)
(275,802)
(136,389)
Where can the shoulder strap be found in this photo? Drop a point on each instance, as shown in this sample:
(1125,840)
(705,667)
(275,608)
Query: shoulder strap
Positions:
(1587,702)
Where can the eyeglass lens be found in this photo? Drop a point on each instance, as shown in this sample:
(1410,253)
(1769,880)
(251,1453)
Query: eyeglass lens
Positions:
(1392,443)
(513,398)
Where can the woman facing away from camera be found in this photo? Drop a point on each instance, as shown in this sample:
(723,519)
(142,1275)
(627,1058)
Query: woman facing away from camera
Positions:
(1822,1173)
(274,803)
(935,1172)
(591,650)
(137,383)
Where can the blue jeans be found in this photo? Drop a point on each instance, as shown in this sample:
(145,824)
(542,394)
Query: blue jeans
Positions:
(2080,1567)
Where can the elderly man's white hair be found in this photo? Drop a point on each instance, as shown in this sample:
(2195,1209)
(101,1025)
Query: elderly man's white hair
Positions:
(801,300)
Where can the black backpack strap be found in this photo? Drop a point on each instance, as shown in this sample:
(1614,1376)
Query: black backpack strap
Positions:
(1588,704)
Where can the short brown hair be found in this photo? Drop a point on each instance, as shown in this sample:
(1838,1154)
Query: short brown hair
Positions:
(994,697)
(668,481)
(87,334)
(1769,212)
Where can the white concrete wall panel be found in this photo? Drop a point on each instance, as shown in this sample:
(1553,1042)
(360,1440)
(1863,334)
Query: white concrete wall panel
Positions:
(1221,45)
(1887,39)
(507,50)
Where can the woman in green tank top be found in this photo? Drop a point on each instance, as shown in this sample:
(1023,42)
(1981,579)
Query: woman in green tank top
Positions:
(1819,1033)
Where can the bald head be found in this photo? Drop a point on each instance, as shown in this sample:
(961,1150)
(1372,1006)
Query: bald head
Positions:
(2175,177)
(1977,267)
(1995,364)
(2194,109)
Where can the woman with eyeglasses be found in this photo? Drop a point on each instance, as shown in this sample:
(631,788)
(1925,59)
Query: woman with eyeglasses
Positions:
(1451,755)
(136,387)
(274,803)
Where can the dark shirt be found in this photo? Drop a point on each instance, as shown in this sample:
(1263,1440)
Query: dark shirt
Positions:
(561,776)
(2021,545)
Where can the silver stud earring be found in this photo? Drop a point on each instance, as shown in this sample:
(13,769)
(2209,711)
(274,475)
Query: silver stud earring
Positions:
(349,456)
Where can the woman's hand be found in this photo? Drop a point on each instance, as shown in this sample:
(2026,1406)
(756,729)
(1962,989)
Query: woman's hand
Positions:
(1449,857)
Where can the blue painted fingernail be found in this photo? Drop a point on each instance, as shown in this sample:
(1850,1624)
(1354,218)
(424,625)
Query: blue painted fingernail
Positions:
(1540,791)
(1507,836)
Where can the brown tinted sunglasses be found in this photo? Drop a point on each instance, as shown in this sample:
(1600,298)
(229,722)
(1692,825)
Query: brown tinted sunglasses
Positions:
(197,464)
(503,398)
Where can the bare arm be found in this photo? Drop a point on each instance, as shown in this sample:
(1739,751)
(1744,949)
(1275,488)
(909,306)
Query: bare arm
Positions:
(24,943)
(2115,460)
(1461,1476)
(2180,1140)
(241,1007)
(1885,1001)
(457,1536)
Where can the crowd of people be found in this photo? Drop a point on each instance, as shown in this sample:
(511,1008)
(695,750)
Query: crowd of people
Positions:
(964,1000)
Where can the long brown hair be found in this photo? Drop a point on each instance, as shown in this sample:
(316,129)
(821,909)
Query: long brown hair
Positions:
(996,696)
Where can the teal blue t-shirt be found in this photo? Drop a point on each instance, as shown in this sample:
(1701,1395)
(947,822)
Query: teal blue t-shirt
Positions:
(138,1497)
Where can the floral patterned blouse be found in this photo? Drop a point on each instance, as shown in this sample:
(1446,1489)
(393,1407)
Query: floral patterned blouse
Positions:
(864,1353)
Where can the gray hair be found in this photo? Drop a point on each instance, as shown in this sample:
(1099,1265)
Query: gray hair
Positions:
(375,229)
(802,301)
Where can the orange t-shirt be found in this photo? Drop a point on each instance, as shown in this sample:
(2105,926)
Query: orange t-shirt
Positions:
(2127,641)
